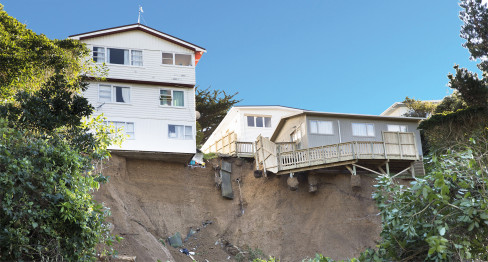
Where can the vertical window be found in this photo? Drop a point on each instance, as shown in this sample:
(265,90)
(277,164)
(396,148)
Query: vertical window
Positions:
(108,93)
(122,94)
(267,122)
(167,58)
(362,129)
(397,128)
(118,56)
(180,132)
(171,98)
(178,98)
(99,54)
(105,93)
(259,121)
(136,57)
(250,120)
(321,127)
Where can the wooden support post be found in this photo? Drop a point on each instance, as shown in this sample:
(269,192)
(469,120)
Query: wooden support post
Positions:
(387,168)
(412,169)
(372,150)
(365,168)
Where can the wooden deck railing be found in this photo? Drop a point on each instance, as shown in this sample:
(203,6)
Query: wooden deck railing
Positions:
(343,152)
(228,145)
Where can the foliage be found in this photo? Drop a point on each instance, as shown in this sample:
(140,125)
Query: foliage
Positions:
(418,108)
(472,90)
(250,254)
(27,59)
(49,150)
(450,103)
(441,217)
(47,211)
(213,106)
(475,30)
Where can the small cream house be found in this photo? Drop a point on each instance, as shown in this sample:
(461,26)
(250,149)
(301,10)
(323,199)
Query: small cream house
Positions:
(242,125)
(149,89)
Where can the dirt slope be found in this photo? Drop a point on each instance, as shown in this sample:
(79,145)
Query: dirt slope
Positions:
(152,200)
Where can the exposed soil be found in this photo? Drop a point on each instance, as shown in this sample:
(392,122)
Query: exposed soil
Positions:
(152,200)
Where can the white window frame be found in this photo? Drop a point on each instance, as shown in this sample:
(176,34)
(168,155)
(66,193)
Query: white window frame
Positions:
(184,133)
(264,121)
(172,96)
(399,127)
(192,57)
(105,48)
(366,125)
(130,137)
(112,96)
(318,133)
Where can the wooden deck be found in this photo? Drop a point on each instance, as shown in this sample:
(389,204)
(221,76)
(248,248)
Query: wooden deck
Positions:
(283,158)
(229,146)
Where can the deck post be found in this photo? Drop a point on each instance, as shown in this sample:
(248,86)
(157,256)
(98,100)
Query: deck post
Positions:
(372,150)
(338,154)
(412,169)
(353,151)
(388,168)
(400,145)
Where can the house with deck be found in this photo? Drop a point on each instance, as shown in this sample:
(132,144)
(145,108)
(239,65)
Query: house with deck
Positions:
(237,132)
(149,89)
(322,142)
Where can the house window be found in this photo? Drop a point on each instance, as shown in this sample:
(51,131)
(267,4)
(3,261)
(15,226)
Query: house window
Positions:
(362,129)
(99,54)
(176,59)
(180,132)
(136,57)
(321,127)
(126,127)
(117,94)
(397,128)
(259,121)
(117,56)
(169,97)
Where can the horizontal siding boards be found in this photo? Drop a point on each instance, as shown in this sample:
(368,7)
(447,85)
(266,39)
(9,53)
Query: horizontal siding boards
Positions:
(152,135)
(152,69)
(346,131)
(144,103)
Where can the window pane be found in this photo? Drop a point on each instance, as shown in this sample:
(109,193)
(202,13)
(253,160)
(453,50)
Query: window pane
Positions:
(171,131)
(129,130)
(259,121)
(314,127)
(370,129)
(98,54)
(267,122)
(178,98)
(165,97)
(122,94)
(358,129)
(250,121)
(188,133)
(118,56)
(182,60)
(403,128)
(136,57)
(168,58)
(105,93)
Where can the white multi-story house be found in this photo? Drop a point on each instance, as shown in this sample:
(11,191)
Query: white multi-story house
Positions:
(242,125)
(149,89)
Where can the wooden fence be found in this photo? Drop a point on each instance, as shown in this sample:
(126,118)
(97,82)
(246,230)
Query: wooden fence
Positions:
(228,145)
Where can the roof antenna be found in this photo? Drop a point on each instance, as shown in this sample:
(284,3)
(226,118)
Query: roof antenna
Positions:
(139,18)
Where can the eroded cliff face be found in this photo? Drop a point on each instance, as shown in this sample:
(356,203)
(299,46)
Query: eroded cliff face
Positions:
(152,200)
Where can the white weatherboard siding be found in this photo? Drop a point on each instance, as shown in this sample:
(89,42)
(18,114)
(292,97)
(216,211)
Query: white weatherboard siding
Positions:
(150,119)
(152,48)
(236,121)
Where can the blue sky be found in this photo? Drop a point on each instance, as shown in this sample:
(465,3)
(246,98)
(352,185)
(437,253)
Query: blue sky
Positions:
(335,56)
